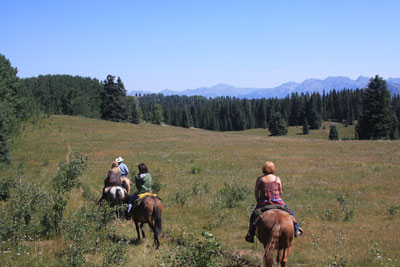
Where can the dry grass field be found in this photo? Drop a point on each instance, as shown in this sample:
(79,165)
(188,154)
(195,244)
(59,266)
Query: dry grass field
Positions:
(345,193)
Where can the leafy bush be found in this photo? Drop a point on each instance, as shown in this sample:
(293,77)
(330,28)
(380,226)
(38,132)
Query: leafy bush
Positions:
(196,169)
(6,183)
(156,186)
(343,211)
(346,209)
(65,179)
(115,254)
(192,251)
(181,197)
(231,194)
(25,213)
(393,210)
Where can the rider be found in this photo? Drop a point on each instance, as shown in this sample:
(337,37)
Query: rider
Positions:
(113,176)
(268,190)
(122,166)
(143,184)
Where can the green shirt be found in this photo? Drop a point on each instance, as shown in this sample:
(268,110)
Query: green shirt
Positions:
(143,185)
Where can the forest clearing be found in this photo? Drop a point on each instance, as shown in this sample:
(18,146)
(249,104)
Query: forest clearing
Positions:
(344,193)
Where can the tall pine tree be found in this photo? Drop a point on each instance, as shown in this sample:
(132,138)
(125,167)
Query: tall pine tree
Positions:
(376,121)
(114,105)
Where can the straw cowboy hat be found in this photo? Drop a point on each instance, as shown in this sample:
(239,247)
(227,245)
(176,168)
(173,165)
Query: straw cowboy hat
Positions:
(119,159)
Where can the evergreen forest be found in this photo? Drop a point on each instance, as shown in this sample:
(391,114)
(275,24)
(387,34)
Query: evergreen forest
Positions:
(108,100)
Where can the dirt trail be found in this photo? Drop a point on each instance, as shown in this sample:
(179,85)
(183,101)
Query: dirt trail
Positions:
(68,156)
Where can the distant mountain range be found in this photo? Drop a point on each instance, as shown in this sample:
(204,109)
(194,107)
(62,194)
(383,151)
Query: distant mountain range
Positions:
(309,85)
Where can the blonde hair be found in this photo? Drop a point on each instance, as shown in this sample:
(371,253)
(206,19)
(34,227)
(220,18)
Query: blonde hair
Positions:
(269,167)
(114,165)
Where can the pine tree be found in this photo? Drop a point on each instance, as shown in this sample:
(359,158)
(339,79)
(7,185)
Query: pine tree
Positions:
(305,127)
(278,125)
(4,147)
(157,114)
(114,105)
(376,121)
(133,107)
(185,119)
(394,134)
(10,102)
(333,133)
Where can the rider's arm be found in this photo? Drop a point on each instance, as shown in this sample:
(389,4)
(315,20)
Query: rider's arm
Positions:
(280,187)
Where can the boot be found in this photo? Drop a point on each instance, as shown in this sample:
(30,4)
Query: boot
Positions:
(249,237)
(252,230)
(298,232)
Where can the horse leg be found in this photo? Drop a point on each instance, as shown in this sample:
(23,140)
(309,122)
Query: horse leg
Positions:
(279,256)
(137,230)
(285,256)
(152,226)
(141,228)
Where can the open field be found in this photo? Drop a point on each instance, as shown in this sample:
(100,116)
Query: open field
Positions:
(345,193)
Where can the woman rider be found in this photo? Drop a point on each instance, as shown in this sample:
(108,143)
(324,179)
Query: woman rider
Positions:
(268,190)
(113,176)
(143,184)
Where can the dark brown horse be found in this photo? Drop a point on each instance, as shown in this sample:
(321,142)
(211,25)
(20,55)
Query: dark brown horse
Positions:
(148,211)
(275,230)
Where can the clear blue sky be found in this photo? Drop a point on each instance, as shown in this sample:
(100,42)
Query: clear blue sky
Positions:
(156,45)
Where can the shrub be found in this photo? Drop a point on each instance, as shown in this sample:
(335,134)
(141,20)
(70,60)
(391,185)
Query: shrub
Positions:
(393,210)
(333,133)
(156,186)
(192,251)
(115,254)
(231,194)
(25,213)
(6,183)
(181,197)
(196,169)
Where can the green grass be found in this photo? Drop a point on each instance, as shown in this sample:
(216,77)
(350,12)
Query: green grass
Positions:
(315,172)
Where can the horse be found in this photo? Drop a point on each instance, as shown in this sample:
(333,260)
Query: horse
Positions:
(148,211)
(275,231)
(115,195)
(126,183)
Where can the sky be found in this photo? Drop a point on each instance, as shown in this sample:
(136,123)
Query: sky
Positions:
(178,45)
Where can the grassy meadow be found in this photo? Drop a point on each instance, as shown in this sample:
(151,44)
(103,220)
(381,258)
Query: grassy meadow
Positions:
(344,193)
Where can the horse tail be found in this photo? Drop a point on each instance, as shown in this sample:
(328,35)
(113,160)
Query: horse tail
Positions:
(272,243)
(157,216)
(119,195)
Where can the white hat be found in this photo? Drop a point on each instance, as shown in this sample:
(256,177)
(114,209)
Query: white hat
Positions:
(119,159)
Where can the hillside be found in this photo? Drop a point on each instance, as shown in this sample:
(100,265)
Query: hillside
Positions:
(344,193)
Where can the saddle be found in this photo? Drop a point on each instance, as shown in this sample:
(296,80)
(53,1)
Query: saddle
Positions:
(258,212)
(142,197)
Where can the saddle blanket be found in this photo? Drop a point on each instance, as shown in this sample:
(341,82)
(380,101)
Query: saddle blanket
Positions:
(141,197)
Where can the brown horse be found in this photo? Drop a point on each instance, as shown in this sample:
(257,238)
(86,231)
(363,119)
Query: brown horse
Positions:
(275,230)
(148,211)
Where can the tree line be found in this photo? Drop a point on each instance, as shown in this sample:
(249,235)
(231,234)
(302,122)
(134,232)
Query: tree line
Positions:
(375,110)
